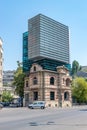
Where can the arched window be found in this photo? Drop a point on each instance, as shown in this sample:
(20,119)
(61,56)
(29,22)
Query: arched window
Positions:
(34,81)
(66,96)
(26,84)
(34,68)
(52,81)
(63,80)
(67,82)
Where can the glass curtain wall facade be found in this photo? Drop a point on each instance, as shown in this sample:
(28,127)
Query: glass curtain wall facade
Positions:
(25,52)
(48,39)
(26,61)
(46,43)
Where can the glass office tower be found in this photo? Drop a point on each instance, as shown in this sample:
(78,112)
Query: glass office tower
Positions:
(48,39)
(47,43)
(25,52)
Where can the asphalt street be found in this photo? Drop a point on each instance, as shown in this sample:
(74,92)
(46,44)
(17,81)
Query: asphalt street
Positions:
(48,119)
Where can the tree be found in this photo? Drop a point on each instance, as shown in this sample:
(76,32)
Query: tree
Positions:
(86,79)
(75,67)
(79,89)
(19,80)
(6,96)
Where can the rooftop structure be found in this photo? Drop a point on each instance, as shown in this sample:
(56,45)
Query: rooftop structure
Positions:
(47,43)
(48,39)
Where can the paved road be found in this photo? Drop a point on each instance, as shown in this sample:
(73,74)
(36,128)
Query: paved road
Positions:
(47,119)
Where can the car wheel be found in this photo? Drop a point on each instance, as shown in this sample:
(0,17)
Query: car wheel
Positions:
(42,107)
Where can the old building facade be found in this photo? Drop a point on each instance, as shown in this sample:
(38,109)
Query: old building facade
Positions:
(53,87)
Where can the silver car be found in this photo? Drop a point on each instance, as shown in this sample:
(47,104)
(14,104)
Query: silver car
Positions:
(37,104)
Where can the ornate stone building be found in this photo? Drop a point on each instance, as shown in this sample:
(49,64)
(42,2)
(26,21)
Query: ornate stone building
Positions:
(53,87)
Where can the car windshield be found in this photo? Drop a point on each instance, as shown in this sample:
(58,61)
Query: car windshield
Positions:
(34,103)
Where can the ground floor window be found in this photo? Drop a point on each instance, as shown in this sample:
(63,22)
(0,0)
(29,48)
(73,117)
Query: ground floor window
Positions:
(66,96)
(52,95)
(35,95)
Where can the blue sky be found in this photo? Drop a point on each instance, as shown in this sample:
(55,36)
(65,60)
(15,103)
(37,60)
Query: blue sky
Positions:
(14,15)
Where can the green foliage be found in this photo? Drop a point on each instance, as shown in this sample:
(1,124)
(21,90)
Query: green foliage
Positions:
(86,79)
(75,67)
(79,89)
(6,96)
(19,80)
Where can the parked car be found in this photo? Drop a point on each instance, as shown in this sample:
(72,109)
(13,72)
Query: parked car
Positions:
(14,105)
(1,105)
(5,104)
(37,104)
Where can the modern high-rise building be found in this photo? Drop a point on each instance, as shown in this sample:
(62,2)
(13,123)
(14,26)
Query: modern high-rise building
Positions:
(46,43)
(8,78)
(48,39)
(25,52)
(1,66)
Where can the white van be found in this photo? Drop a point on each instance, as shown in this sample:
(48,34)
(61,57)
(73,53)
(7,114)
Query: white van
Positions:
(37,104)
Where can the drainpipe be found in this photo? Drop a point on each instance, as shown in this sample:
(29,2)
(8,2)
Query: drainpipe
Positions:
(43,86)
